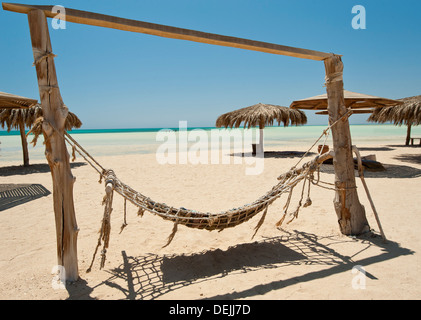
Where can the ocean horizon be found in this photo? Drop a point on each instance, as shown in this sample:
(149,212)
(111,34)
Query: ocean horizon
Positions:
(4,132)
(106,142)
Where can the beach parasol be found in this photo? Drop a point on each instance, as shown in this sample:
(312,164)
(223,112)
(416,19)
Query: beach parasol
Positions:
(261,115)
(408,112)
(8,100)
(352,100)
(19,118)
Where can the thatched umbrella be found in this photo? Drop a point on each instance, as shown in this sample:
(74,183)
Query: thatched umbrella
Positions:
(8,100)
(261,115)
(352,100)
(19,118)
(408,113)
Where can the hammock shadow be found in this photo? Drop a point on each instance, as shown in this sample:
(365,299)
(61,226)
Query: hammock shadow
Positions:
(390,250)
(151,276)
(244,258)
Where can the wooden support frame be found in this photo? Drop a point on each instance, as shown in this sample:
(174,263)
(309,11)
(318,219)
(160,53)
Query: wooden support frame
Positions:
(101,20)
(351,214)
(55,113)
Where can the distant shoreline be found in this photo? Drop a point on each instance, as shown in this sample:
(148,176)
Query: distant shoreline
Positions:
(105,142)
(4,132)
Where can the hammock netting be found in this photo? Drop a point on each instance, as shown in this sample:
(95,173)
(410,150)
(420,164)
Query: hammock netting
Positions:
(192,218)
(206,220)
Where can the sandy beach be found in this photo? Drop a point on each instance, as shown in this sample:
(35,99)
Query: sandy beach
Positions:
(150,89)
(306,259)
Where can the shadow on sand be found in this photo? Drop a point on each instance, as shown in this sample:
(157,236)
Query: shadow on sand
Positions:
(33,168)
(411,158)
(12,195)
(151,276)
(391,171)
(276,154)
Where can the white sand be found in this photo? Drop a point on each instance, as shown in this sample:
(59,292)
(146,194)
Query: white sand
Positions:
(307,259)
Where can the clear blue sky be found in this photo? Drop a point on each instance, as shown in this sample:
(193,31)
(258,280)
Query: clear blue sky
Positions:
(116,79)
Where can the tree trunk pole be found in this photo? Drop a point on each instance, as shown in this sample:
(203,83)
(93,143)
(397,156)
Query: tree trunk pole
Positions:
(351,214)
(408,134)
(55,113)
(24,144)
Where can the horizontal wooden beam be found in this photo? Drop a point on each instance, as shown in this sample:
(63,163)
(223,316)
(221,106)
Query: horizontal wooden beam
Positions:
(101,20)
(355,111)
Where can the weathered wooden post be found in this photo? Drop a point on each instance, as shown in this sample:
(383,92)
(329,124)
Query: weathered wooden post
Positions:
(24,143)
(351,214)
(408,134)
(55,113)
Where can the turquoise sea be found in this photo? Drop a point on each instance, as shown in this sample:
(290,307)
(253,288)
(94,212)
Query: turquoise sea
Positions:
(105,142)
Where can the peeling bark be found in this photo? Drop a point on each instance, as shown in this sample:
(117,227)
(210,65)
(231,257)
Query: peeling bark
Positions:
(55,113)
(351,214)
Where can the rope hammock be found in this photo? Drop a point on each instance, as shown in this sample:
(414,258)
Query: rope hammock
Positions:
(202,220)
(206,220)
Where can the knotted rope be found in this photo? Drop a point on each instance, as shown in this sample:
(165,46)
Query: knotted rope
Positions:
(42,55)
(206,220)
(212,221)
(202,220)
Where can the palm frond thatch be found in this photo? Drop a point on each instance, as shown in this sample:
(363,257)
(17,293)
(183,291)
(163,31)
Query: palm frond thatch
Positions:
(12,118)
(408,113)
(27,113)
(261,115)
(352,100)
(11,101)
(32,118)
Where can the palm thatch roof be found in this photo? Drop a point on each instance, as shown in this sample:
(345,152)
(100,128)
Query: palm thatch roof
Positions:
(408,113)
(353,100)
(31,118)
(12,118)
(261,115)
(8,100)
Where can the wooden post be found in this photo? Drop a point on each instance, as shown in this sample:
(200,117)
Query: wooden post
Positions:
(55,113)
(408,134)
(361,174)
(351,214)
(24,144)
